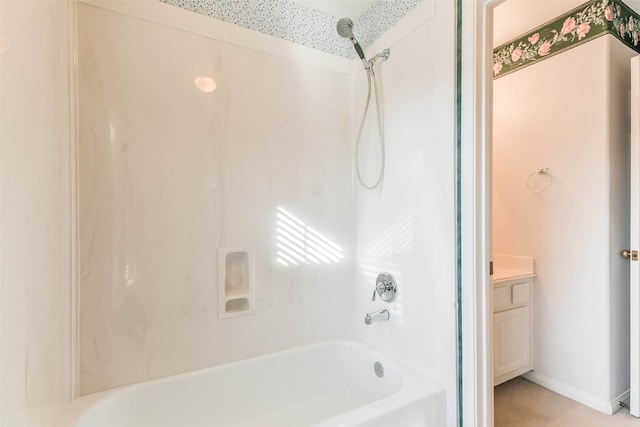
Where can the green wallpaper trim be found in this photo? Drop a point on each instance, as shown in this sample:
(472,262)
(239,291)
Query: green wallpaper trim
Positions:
(587,22)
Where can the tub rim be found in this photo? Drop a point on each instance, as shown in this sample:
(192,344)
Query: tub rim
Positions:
(413,386)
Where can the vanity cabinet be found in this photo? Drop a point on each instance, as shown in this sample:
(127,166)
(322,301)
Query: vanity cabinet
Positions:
(512,328)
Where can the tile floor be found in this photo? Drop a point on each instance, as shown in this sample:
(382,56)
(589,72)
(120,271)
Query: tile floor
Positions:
(520,402)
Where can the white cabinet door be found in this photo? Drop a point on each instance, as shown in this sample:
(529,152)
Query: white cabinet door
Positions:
(512,342)
(634,265)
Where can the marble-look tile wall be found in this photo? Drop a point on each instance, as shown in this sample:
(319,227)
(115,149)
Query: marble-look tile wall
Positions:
(169,174)
(35,359)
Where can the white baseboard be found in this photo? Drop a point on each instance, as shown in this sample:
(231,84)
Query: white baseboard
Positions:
(573,393)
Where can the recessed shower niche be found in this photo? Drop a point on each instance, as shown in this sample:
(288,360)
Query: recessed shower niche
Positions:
(236,290)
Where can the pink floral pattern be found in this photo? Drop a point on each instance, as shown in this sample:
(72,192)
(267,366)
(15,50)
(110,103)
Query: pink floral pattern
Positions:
(497,67)
(608,13)
(629,23)
(545,48)
(590,20)
(582,30)
(568,26)
(516,55)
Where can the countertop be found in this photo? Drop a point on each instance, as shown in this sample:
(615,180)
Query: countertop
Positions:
(510,267)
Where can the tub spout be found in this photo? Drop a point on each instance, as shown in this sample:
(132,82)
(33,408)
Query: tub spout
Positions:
(377,316)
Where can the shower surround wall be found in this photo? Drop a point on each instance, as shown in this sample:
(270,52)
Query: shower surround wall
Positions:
(570,114)
(35,357)
(407,227)
(170,174)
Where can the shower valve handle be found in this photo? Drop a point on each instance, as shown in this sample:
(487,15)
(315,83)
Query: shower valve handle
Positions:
(381,288)
(386,288)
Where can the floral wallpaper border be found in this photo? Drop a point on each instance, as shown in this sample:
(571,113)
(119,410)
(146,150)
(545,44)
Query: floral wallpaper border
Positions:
(587,22)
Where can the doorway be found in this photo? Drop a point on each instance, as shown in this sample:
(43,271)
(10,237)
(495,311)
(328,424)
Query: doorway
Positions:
(475,270)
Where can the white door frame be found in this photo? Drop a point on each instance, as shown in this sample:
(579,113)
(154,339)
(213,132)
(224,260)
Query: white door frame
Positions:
(634,233)
(475,201)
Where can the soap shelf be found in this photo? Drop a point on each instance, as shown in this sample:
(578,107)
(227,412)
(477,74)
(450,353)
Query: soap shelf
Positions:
(236,288)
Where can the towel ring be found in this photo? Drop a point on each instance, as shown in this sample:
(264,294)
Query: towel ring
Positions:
(532,185)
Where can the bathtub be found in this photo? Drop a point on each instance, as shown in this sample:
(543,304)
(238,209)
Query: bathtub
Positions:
(332,384)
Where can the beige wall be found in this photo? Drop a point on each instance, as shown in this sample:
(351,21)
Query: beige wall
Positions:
(569,114)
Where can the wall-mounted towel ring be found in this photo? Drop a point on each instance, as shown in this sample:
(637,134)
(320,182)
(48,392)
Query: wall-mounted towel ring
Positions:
(538,186)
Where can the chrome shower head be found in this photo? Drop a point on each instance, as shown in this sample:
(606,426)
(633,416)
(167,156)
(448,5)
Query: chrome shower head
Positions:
(345,29)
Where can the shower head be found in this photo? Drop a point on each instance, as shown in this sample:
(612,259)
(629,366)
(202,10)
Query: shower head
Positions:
(345,29)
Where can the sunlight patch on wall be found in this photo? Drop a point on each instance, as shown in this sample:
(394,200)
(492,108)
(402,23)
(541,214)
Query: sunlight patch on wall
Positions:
(397,239)
(298,243)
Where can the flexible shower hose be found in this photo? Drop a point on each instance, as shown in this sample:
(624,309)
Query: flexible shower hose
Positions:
(371,76)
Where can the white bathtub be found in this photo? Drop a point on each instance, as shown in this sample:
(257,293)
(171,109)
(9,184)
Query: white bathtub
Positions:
(331,384)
